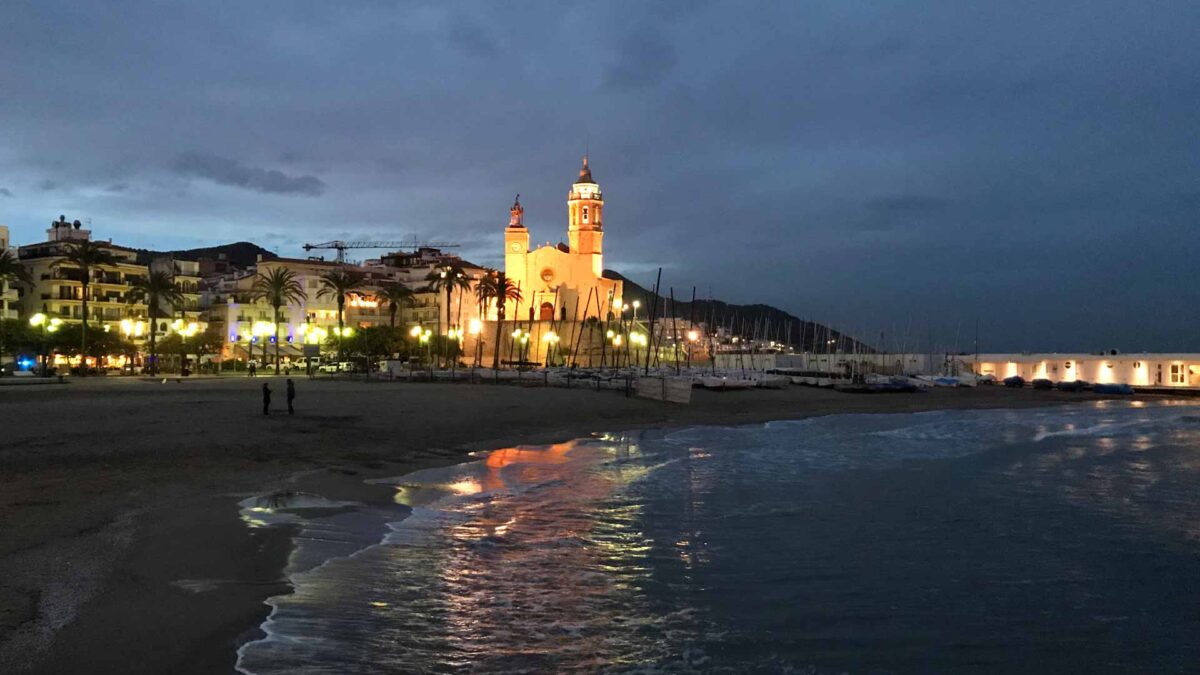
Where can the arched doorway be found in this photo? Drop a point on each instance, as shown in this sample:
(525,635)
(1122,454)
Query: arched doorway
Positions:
(546,312)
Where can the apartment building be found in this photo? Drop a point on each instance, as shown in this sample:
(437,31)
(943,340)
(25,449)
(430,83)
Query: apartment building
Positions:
(8,292)
(187,279)
(57,289)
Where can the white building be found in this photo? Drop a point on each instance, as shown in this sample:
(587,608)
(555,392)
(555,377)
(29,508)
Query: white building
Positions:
(8,293)
(1143,369)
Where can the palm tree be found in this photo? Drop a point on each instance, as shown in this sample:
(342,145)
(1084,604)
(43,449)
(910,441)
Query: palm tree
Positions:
(84,256)
(449,279)
(155,288)
(396,295)
(485,291)
(11,271)
(278,287)
(505,290)
(338,283)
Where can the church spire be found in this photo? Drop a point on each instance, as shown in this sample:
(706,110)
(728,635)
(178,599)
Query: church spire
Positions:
(585,174)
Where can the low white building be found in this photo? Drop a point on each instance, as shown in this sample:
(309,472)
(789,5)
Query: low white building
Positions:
(1143,369)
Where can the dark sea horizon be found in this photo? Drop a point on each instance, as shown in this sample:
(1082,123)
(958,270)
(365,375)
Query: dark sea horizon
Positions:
(1059,539)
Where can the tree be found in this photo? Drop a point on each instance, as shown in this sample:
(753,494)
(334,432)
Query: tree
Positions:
(84,256)
(375,342)
(278,287)
(154,289)
(11,269)
(396,295)
(100,343)
(485,291)
(505,290)
(211,341)
(449,279)
(16,335)
(338,283)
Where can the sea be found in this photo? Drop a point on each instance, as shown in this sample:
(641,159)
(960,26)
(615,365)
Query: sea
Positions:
(1060,539)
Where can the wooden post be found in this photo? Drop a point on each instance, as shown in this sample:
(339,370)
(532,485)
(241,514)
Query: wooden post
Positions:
(653,309)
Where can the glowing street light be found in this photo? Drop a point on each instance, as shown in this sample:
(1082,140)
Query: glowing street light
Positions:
(48,325)
(475,327)
(415,332)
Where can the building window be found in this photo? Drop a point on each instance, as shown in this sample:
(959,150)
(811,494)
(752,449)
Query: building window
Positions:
(1177,376)
(585,214)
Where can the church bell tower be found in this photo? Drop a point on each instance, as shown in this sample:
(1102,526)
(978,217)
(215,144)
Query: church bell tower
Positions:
(585,217)
(516,243)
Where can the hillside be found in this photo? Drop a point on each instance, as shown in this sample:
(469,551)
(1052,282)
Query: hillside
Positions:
(239,254)
(772,323)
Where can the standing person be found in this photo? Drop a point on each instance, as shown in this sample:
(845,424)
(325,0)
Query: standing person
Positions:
(266,399)
(291,395)
(252,369)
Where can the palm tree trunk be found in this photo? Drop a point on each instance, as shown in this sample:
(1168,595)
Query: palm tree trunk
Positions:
(153,326)
(276,339)
(83,333)
(341,328)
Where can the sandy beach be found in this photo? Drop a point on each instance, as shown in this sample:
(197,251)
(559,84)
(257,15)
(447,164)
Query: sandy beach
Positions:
(122,548)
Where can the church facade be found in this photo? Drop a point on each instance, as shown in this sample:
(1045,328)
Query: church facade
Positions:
(564,281)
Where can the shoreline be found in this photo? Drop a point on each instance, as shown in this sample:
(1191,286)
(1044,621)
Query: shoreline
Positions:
(188,585)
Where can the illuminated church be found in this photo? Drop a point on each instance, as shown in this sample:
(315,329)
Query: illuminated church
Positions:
(564,281)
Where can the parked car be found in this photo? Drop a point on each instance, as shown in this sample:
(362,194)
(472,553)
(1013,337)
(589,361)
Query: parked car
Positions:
(337,367)
(1016,381)
(1074,385)
(1042,383)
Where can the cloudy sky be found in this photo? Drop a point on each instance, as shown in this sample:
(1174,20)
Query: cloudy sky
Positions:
(895,166)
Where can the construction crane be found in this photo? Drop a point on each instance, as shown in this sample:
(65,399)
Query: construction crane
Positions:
(341,246)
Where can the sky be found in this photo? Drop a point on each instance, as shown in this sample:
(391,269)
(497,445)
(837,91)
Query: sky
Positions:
(896,168)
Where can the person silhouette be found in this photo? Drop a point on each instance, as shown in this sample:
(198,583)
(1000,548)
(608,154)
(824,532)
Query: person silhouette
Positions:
(266,399)
(291,395)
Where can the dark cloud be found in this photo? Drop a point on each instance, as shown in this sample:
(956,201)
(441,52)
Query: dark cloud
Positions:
(642,60)
(5,192)
(908,205)
(46,185)
(226,171)
(468,36)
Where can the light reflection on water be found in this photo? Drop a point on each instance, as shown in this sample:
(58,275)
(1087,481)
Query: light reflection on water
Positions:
(990,541)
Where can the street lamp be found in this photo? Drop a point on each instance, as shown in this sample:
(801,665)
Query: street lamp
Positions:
(47,325)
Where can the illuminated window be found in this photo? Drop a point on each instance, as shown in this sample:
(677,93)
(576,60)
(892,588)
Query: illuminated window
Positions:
(585,214)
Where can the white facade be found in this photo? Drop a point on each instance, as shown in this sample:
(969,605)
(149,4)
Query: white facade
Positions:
(1143,369)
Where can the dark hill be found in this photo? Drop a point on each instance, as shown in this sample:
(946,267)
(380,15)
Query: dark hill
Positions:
(239,254)
(770,323)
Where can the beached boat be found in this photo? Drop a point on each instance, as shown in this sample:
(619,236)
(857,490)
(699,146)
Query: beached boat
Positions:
(724,383)
(770,380)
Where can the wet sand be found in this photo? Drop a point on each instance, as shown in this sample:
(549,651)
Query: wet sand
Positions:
(121,548)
